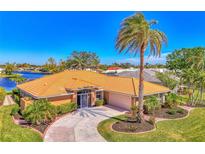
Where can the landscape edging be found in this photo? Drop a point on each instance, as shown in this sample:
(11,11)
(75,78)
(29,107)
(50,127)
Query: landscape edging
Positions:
(154,129)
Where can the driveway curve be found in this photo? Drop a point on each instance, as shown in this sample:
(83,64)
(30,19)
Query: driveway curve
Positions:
(81,126)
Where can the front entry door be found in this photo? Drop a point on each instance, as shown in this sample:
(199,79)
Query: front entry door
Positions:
(83,100)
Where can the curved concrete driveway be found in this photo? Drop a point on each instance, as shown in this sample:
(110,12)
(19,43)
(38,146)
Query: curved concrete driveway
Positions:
(81,126)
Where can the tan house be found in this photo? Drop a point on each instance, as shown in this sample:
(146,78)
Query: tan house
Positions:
(85,87)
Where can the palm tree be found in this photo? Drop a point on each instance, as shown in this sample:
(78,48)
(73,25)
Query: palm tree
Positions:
(135,36)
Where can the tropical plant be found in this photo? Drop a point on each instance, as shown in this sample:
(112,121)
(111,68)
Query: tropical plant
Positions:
(172,100)
(82,60)
(166,80)
(51,65)
(151,104)
(15,110)
(2,94)
(9,68)
(189,66)
(135,36)
(16,95)
(39,112)
(66,108)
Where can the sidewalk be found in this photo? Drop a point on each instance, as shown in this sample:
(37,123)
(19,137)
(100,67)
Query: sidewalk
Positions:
(8,100)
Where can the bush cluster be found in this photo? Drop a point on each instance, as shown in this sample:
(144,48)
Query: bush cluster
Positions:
(66,108)
(15,110)
(174,111)
(16,95)
(41,111)
(151,104)
(172,100)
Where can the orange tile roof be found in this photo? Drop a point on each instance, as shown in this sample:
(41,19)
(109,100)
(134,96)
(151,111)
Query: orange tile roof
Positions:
(59,83)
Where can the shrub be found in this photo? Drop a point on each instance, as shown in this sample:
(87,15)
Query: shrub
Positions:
(15,110)
(99,102)
(151,104)
(172,100)
(16,95)
(181,111)
(172,111)
(2,94)
(39,112)
(66,108)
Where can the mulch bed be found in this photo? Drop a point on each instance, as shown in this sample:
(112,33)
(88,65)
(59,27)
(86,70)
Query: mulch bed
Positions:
(132,127)
(40,128)
(23,123)
(163,113)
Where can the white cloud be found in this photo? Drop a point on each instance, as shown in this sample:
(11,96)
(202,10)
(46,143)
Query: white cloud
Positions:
(148,59)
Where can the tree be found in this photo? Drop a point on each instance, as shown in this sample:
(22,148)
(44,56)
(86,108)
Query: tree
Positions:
(51,65)
(189,66)
(82,60)
(135,36)
(167,80)
(9,68)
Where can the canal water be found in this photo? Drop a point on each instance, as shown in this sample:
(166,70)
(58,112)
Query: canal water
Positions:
(9,85)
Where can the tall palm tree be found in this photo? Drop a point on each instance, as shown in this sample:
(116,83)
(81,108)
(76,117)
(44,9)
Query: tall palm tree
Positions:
(135,36)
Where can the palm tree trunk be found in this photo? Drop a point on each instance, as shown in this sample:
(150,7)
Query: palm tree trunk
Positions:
(141,85)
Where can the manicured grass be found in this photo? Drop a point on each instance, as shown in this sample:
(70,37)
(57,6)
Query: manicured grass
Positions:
(191,128)
(10,132)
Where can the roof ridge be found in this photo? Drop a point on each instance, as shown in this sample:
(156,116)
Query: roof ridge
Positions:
(87,81)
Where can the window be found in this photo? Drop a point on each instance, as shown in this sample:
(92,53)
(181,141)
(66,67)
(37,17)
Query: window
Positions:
(98,94)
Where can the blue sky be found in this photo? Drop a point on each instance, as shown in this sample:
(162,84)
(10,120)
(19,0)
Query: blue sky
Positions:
(33,37)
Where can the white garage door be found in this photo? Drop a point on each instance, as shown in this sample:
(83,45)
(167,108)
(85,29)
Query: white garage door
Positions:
(119,100)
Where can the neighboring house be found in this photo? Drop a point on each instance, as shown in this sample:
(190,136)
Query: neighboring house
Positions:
(149,75)
(114,70)
(85,87)
(1,70)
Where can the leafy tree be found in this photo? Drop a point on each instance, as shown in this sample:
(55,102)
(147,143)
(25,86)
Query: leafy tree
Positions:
(135,36)
(51,65)
(167,80)
(40,112)
(9,68)
(83,60)
(189,66)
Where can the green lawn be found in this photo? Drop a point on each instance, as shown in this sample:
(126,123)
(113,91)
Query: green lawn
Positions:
(191,128)
(10,132)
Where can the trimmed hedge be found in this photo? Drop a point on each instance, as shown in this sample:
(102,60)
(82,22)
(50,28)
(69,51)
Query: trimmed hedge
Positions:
(66,108)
